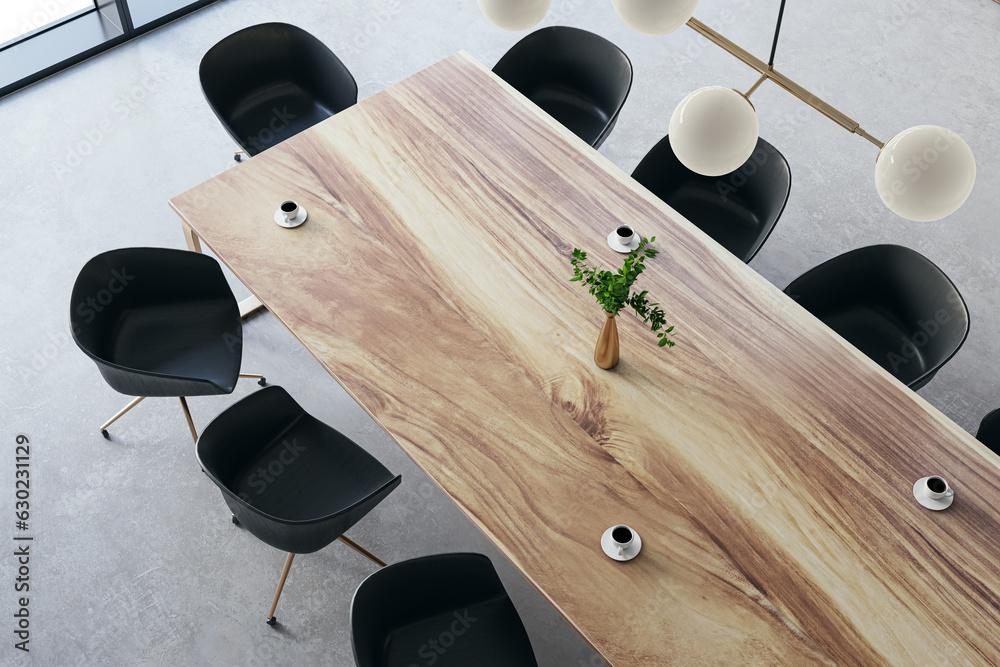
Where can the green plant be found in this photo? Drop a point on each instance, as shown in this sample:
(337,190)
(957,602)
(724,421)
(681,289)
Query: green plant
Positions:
(614,290)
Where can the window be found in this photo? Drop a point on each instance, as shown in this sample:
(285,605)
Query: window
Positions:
(41,37)
(145,12)
(19,18)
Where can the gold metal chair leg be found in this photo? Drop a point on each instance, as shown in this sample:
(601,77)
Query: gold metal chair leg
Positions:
(271,620)
(260,378)
(134,402)
(187,415)
(361,550)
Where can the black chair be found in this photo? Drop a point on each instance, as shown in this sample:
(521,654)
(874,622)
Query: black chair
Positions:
(449,610)
(989,431)
(269,82)
(739,210)
(291,480)
(159,322)
(891,303)
(577,77)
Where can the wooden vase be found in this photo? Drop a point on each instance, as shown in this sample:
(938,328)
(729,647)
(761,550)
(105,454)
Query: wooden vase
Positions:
(606,352)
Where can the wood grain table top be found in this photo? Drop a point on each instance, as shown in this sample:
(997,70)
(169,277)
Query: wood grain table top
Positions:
(767,465)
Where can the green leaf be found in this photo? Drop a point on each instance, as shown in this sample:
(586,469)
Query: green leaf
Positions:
(612,288)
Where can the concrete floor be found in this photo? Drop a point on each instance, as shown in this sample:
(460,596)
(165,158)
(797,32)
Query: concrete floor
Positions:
(134,560)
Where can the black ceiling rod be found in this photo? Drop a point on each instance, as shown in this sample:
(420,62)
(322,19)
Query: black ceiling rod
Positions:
(777,29)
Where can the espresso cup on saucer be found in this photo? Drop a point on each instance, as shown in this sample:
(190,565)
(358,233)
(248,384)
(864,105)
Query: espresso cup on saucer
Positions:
(623,239)
(933,492)
(621,538)
(624,234)
(289,210)
(621,543)
(290,214)
(937,488)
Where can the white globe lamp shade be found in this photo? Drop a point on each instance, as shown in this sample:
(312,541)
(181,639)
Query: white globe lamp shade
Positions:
(925,173)
(714,130)
(655,17)
(514,14)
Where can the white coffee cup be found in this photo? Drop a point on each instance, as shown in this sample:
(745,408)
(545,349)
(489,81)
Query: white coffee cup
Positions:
(621,538)
(936,488)
(624,234)
(289,210)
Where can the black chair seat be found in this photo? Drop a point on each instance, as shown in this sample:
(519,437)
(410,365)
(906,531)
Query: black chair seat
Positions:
(485,643)
(276,113)
(269,82)
(449,608)
(176,339)
(891,303)
(989,431)
(739,210)
(577,77)
(581,116)
(331,473)
(874,330)
(291,480)
(172,329)
(739,227)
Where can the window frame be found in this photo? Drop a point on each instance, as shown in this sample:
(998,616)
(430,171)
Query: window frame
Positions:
(40,67)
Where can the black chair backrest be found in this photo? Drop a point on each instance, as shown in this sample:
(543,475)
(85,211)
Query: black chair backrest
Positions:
(121,282)
(739,209)
(989,431)
(230,449)
(404,593)
(267,56)
(900,284)
(582,63)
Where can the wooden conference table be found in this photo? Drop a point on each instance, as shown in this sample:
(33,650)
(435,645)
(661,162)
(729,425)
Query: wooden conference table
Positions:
(767,465)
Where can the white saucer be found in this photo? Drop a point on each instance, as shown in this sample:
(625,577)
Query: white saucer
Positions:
(294,222)
(612,552)
(621,247)
(931,503)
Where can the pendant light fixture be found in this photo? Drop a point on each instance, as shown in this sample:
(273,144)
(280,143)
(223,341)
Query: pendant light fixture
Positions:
(923,173)
(713,131)
(514,14)
(655,17)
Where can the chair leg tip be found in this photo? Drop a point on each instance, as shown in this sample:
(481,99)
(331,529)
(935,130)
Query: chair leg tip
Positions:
(104,432)
(271,621)
(262,382)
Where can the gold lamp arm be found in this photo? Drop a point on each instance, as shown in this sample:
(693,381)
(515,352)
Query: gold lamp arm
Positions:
(767,72)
